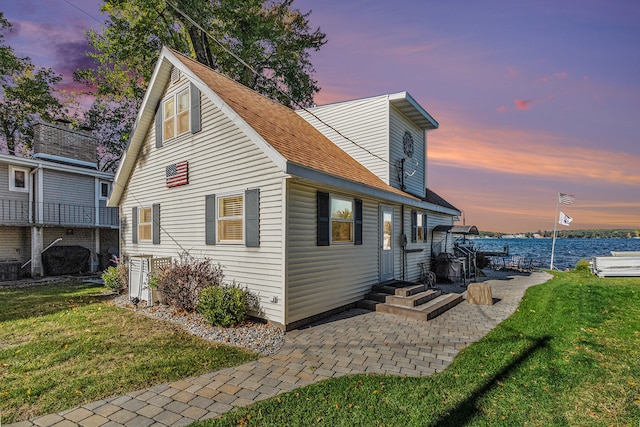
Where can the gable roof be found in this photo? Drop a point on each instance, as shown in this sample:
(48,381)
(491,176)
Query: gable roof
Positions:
(291,142)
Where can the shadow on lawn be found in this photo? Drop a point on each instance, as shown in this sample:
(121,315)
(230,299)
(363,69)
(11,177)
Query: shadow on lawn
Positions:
(468,409)
(22,303)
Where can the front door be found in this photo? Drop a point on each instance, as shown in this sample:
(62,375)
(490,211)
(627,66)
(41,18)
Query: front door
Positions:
(386,243)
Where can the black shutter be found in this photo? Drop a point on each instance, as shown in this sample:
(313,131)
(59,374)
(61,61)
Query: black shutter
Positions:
(323,219)
(357,238)
(155,215)
(134,225)
(252,218)
(210,219)
(424,227)
(159,126)
(196,123)
(414,226)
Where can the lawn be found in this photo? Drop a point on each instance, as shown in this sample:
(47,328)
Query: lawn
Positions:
(67,344)
(570,355)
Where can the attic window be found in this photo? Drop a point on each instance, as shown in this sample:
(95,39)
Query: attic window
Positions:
(176,115)
(175,75)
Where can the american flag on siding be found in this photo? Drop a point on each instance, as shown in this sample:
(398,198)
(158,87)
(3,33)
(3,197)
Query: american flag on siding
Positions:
(177,174)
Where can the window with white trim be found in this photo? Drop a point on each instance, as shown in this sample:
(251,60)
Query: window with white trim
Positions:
(145,221)
(18,179)
(341,220)
(230,218)
(176,110)
(105,189)
(420,228)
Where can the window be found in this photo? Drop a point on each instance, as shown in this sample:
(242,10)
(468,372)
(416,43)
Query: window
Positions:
(145,220)
(18,179)
(230,219)
(105,189)
(341,220)
(175,120)
(418,227)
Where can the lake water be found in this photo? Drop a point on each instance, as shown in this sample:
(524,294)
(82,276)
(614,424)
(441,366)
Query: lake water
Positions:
(567,253)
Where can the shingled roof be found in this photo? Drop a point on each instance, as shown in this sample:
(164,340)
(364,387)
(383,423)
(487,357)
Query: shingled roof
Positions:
(290,140)
(292,136)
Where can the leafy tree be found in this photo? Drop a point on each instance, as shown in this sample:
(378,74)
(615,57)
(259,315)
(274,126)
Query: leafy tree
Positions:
(268,35)
(26,95)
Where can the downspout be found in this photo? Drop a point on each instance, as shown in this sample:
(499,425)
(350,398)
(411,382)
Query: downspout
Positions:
(403,237)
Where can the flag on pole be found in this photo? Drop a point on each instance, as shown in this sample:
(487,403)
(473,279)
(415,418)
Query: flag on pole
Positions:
(566,199)
(564,219)
(177,174)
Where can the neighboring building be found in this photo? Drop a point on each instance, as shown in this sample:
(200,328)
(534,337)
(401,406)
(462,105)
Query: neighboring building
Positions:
(215,169)
(58,193)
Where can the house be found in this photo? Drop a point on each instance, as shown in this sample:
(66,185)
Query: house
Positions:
(217,170)
(57,196)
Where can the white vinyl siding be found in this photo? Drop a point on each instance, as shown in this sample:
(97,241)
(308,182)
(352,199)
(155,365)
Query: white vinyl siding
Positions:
(321,278)
(364,121)
(68,189)
(222,160)
(414,166)
(16,244)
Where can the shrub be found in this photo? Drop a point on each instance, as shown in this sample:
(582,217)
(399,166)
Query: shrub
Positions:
(224,305)
(182,283)
(116,277)
(583,265)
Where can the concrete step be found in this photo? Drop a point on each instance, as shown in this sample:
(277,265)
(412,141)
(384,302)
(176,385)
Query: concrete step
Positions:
(441,304)
(413,300)
(376,296)
(426,311)
(368,304)
(403,291)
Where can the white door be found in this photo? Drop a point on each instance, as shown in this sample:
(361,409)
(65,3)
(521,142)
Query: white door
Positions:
(386,243)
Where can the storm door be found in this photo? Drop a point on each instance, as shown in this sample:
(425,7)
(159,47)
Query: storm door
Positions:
(386,243)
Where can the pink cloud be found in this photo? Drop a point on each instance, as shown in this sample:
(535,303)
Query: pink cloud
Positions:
(561,75)
(523,104)
(501,108)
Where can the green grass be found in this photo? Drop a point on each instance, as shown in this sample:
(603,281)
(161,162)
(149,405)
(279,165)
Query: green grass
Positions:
(67,344)
(570,355)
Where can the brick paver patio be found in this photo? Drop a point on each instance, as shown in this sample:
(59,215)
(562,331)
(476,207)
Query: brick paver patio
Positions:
(355,341)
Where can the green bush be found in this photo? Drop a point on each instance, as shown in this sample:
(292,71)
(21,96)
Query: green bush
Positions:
(583,265)
(224,305)
(116,278)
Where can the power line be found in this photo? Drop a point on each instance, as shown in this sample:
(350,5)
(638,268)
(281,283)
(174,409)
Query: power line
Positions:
(84,11)
(273,82)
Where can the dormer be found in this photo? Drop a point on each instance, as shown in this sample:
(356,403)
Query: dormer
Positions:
(386,133)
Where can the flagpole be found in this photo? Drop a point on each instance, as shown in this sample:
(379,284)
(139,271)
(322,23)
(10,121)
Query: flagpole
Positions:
(555,224)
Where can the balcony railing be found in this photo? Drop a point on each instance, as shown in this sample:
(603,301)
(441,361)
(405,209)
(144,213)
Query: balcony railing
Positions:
(19,212)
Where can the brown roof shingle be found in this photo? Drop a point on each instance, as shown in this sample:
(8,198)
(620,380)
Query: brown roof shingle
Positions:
(288,133)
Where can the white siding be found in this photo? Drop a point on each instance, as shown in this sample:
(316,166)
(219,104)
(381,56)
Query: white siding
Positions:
(68,189)
(84,237)
(221,159)
(321,278)
(398,125)
(364,121)
(15,244)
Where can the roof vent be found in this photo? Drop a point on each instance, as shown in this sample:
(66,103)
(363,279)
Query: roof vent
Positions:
(175,75)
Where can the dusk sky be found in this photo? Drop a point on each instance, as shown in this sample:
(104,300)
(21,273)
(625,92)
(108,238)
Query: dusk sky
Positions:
(533,98)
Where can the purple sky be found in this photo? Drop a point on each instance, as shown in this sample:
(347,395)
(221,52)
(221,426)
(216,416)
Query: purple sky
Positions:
(532,97)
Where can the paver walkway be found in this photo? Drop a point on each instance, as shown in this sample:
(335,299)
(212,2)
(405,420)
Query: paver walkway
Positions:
(355,341)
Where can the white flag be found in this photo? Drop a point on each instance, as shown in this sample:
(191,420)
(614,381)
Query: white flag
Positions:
(565,219)
(566,199)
